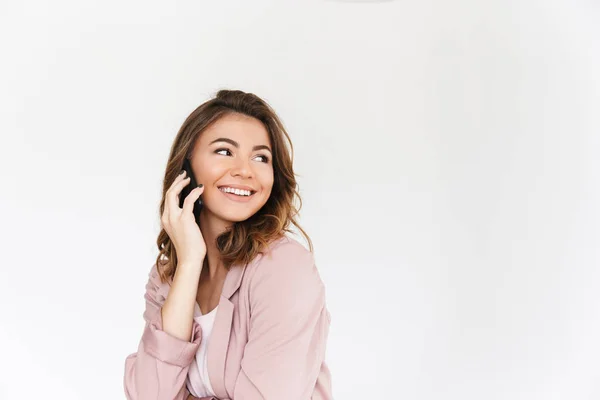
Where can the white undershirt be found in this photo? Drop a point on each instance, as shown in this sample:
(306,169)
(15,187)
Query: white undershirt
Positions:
(197,380)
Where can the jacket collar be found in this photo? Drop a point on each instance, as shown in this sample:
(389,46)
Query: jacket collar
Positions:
(233,281)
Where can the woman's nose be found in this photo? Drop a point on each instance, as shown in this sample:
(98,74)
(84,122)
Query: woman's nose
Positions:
(242,168)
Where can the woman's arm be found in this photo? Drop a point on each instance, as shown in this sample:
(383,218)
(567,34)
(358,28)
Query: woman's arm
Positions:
(178,309)
(159,368)
(288,330)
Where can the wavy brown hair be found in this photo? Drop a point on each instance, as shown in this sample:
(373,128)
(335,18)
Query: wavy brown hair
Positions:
(245,239)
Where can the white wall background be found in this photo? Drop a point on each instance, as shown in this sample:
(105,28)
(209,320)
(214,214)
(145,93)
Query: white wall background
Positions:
(448,161)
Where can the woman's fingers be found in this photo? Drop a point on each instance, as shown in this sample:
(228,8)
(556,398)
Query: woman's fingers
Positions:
(173,194)
(171,199)
(180,224)
(188,202)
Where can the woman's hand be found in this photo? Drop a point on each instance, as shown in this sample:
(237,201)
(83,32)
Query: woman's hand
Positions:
(180,223)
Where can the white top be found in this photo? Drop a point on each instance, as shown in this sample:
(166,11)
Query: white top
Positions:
(197,381)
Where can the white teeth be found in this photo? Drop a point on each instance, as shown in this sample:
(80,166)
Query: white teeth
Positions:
(238,192)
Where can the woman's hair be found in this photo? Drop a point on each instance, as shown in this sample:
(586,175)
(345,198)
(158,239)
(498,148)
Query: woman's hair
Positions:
(245,239)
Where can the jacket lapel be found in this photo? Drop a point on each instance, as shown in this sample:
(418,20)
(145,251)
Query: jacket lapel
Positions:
(219,337)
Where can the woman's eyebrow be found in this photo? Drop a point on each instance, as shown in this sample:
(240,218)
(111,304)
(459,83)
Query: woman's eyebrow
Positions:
(237,145)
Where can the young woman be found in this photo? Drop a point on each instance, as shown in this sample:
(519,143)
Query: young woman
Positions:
(235,309)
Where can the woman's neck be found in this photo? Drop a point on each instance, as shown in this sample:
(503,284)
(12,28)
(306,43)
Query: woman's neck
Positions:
(211,227)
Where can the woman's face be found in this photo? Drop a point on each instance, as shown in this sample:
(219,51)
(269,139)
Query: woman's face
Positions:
(234,153)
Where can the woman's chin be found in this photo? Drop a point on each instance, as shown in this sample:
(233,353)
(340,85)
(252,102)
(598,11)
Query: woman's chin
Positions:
(231,213)
(234,216)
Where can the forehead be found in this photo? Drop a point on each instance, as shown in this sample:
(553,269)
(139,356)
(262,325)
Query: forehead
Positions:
(241,128)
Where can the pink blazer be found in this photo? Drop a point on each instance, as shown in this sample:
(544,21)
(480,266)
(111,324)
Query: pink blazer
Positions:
(268,340)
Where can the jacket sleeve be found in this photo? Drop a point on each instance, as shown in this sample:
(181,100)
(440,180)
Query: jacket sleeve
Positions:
(159,368)
(289,325)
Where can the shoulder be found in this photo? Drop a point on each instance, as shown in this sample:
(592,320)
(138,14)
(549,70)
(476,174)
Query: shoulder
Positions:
(286,264)
(285,256)
(286,248)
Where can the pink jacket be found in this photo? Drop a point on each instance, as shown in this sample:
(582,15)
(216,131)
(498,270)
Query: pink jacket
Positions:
(268,340)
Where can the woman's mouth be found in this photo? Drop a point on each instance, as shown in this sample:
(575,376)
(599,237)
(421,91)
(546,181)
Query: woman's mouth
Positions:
(238,195)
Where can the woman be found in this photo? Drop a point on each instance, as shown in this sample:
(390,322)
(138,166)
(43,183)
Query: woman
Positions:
(235,309)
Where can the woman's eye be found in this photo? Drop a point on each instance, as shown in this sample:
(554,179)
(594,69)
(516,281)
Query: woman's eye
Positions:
(265,158)
(221,150)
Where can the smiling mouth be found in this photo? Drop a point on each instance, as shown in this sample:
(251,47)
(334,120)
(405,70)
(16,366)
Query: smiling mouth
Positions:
(238,192)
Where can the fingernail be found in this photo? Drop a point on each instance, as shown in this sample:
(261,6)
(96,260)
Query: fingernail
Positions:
(182,171)
(200,185)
